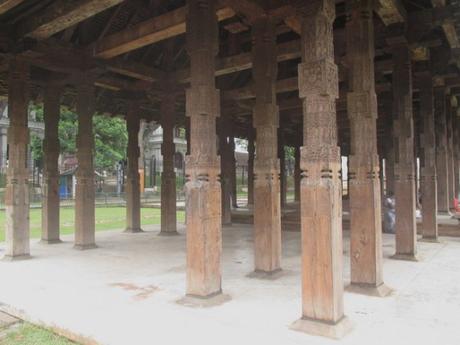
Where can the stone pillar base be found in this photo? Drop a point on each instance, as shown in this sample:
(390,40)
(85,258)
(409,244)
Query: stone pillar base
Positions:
(212,300)
(57,241)
(16,257)
(444,213)
(85,246)
(325,329)
(133,230)
(405,257)
(266,275)
(369,289)
(429,240)
(168,233)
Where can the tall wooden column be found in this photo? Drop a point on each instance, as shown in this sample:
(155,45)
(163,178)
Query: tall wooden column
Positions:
(428,166)
(267,217)
(17,173)
(389,147)
(450,151)
(204,239)
(232,157)
(321,203)
(441,149)
(251,153)
(85,188)
(226,167)
(297,174)
(405,227)
(364,179)
(51,148)
(282,158)
(456,122)
(132,187)
(168,176)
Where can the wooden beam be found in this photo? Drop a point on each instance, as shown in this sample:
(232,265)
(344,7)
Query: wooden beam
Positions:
(249,9)
(135,70)
(60,15)
(391,11)
(448,27)
(6,5)
(148,32)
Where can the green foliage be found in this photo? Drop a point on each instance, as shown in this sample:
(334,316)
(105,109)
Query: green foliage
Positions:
(110,138)
(28,334)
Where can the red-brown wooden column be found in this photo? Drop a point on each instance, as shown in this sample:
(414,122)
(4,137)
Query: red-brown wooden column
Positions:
(132,186)
(204,239)
(364,180)
(450,150)
(389,147)
(17,173)
(456,121)
(251,153)
(405,227)
(428,166)
(282,158)
(297,174)
(85,188)
(226,167)
(50,207)
(441,149)
(168,176)
(232,157)
(267,217)
(321,203)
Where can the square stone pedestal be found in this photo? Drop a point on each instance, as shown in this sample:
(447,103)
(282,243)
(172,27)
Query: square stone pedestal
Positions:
(329,330)
(370,290)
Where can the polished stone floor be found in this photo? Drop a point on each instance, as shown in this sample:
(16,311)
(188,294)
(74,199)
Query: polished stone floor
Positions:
(126,292)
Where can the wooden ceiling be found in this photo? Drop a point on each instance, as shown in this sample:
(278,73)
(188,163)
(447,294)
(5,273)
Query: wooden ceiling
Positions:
(131,47)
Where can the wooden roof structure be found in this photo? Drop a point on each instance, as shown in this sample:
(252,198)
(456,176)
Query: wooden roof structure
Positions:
(132,47)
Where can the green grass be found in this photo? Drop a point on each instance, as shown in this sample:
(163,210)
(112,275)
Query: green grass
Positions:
(107,218)
(28,334)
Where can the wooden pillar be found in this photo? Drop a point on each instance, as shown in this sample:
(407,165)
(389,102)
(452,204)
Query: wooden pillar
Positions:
(204,239)
(389,146)
(450,151)
(428,166)
(363,176)
(267,217)
(297,174)
(456,121)
(85,187)
(321,202)
(232,157)
(168,176)
(441,149)
(251,153)
(282,158)
(226,167)
(132,187)
(17,173)
(405,227)
(51,148)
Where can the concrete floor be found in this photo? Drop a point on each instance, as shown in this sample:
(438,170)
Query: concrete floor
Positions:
(126,292)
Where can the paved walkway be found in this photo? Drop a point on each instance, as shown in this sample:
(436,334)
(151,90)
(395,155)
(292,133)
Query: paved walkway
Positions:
(126,292)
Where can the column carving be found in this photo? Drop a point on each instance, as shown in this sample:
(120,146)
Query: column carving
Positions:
(168,176)
(267,217)
(51,148)
(321,203)
(17,173)
(85,187)
(203,201)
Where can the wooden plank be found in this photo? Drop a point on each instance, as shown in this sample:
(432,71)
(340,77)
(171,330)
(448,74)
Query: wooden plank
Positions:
(148,32)
(60,15)
(391,11)
(6,5)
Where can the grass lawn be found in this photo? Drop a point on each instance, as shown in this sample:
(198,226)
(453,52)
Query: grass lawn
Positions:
(107,218)
(27,334)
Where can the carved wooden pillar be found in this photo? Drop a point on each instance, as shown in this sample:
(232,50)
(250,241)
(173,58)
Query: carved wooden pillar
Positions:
(282,158)
(232,157)
(441,149)
(450,151)
(17,173)
(132,187)
(267,217)
(168,176)
(251,152)
(297,174)
(321,202)
(85,187)
(204,239)
(51,148)
(428,166)
(389,146)
(406,234)
(226,167)
(364,179)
